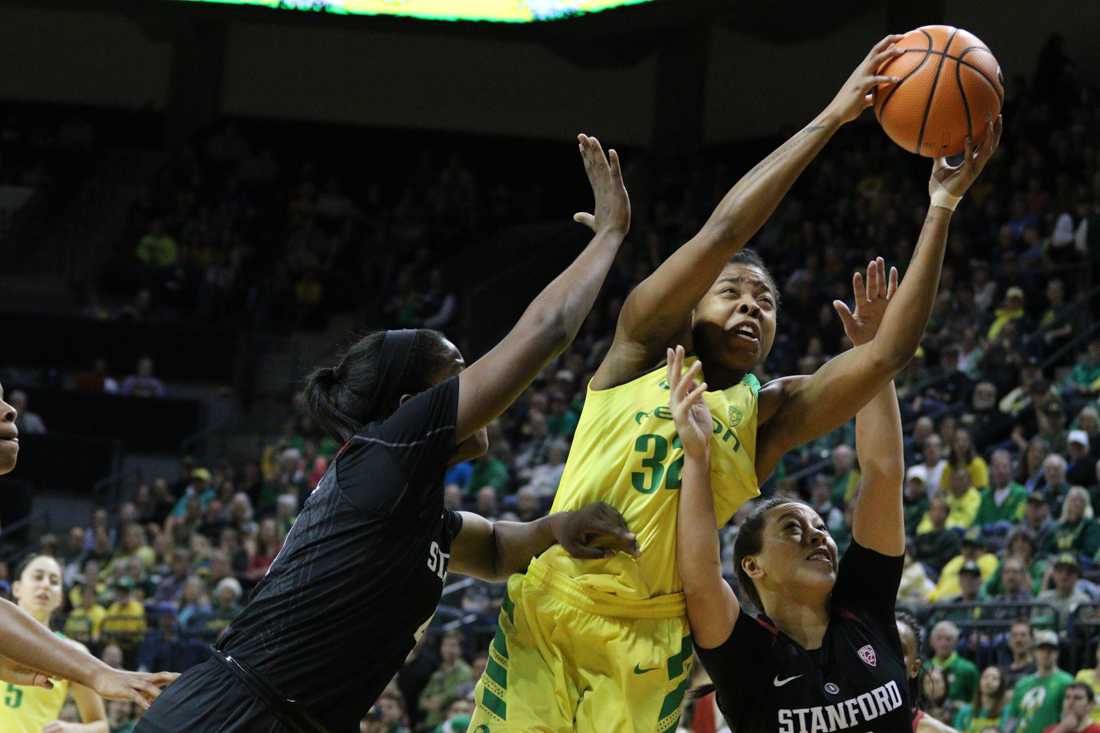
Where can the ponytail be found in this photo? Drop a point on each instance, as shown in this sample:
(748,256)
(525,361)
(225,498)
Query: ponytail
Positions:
(321,402)
(368,380)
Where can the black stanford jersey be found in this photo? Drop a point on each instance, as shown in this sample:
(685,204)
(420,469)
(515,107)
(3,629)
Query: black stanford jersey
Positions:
(855,682)
(361,571)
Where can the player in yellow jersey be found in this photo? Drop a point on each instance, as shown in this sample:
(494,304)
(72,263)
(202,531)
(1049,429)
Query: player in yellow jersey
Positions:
(30,654)
(604,645)
(29,709)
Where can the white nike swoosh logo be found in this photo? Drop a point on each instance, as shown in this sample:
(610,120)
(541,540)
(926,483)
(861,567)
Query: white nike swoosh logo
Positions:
(779,683)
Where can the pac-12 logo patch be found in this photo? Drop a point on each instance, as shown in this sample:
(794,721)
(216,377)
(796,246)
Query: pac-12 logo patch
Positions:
(831,688)
(736,415)
(867,654)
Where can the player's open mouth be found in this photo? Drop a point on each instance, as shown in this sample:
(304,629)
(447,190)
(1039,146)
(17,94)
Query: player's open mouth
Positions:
(748,331)
(821,556)
(14,441)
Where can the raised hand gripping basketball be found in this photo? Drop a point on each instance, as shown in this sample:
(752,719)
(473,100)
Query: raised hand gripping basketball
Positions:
(871,299)
(956,180)
(685,399)
(612,209)
(855,95)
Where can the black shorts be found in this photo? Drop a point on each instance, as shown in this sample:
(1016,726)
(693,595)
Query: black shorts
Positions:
(208,698)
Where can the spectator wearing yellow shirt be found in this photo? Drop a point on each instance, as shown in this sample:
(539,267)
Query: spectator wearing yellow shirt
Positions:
(973,550)
(1091,677)
(963,502)
(963,455)
(125,619)
(86,620)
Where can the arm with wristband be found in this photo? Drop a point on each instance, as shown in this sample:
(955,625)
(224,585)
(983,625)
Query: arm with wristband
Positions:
(795,410)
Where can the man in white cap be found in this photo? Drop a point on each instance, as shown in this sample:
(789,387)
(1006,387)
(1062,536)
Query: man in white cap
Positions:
(1081,466)
(915,499)
(1037,700)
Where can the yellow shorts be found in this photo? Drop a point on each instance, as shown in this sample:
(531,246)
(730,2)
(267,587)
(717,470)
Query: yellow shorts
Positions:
(555,666)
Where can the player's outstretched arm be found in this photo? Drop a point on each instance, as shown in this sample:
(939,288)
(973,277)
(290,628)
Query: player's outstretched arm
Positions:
(495,550)
(552,320)
(877,520)
(711,604)
(794,410)
(29,645)
(657,311)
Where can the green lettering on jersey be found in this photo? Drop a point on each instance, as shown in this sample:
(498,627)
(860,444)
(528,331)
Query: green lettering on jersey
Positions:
(13,696)
(647,481)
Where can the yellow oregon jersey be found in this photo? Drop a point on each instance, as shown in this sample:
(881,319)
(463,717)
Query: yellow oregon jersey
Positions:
(30,709)
(626,453)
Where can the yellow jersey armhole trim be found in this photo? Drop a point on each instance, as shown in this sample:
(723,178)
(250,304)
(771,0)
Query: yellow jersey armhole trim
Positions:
(589,389)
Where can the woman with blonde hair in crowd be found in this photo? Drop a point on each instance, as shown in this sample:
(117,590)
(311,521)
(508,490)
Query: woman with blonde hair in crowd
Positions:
(1075,531)
(989,703)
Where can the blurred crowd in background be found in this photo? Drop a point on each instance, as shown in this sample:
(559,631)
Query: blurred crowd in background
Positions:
(1000,406)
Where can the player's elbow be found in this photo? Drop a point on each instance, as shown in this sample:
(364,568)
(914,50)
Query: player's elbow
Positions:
(879,479)
(554,330)
(888,359)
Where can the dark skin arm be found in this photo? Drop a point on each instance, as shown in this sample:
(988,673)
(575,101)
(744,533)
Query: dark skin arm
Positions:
(551,322)
(794,410)
(495,550)
(31,653)
(657,312)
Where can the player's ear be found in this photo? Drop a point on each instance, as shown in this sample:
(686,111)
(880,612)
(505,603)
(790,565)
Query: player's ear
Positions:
(752,567)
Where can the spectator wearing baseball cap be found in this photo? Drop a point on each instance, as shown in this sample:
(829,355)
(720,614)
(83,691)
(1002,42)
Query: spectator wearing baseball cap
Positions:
(1037,518)
(1042,708)
(1081,469)
(970,591)
(1051,420)
(1012,309)
(915,498)
(1064,597)
(126,616)
(973,551)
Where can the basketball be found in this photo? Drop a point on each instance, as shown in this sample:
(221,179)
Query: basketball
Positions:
(949,86)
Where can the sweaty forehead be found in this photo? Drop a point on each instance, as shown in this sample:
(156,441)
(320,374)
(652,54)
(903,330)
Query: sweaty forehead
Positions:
(782,511)
(745,274)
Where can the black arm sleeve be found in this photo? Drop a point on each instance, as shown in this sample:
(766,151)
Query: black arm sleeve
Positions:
(737,679)
(402,453)
(867,583)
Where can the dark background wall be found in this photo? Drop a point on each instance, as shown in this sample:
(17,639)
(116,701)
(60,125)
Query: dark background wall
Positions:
(761,75)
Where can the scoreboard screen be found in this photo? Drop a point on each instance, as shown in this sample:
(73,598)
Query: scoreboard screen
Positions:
(500,11)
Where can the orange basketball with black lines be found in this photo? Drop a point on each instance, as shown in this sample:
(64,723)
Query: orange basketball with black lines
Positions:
(950,85)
